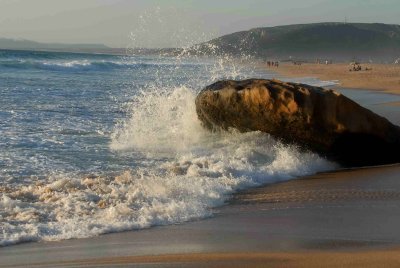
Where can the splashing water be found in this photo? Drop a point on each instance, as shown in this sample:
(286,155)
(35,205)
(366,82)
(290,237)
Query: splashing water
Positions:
(160,121)
(113,143)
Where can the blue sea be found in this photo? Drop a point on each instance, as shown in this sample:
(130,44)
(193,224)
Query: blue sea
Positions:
(92,144)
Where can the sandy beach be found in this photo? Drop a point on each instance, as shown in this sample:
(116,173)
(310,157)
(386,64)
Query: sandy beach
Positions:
(382,77)
(346,218)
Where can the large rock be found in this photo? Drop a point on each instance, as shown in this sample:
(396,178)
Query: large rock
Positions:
(319,119)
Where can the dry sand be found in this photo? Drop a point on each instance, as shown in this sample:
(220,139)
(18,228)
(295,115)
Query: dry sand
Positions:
(347,218)
(384,77)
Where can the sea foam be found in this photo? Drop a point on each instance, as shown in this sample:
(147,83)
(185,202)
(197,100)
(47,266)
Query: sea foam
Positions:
(155,165)
(185,172)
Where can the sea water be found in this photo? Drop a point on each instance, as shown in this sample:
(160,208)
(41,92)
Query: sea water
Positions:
(92,144)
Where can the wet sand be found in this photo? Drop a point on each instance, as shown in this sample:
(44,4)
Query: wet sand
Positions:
(346,218)
(395,103)
(383,77)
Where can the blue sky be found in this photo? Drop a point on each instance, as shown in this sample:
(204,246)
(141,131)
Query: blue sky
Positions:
(162,23)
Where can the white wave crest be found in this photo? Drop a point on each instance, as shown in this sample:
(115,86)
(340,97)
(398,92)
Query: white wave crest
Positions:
(160,120)
(181,188)
(70,64)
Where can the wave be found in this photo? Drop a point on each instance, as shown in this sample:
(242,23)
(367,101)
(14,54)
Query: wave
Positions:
(85,64)
(160,166)
(184,172)
(73,65)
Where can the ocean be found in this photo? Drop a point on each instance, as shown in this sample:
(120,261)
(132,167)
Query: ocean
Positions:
(92,144)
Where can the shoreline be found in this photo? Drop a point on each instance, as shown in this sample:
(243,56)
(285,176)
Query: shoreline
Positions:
(345,218)
(349,217)
(382,77)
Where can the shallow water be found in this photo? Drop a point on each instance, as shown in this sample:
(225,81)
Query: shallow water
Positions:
(378,102)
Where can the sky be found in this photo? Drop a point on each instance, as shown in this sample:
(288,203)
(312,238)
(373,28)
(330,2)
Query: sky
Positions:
(173,23)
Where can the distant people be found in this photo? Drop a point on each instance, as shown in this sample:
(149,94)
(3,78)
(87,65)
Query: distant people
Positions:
(273,63)
(355,66)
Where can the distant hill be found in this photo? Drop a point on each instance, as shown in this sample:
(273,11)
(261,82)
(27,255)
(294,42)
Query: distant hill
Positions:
(317,40)
(6,43)
(22,44)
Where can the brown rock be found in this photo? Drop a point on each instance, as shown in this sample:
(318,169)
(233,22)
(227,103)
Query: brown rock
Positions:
(319,119)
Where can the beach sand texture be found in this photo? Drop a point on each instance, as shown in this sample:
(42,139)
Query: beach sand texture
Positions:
(385,77)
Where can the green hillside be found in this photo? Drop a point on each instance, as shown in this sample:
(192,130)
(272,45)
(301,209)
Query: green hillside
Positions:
(325,40)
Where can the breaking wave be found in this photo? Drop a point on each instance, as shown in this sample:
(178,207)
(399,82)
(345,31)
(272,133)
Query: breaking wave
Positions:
(182,172)
(77,65)
(154,165)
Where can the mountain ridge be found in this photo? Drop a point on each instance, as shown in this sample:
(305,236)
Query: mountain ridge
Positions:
(315,40)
